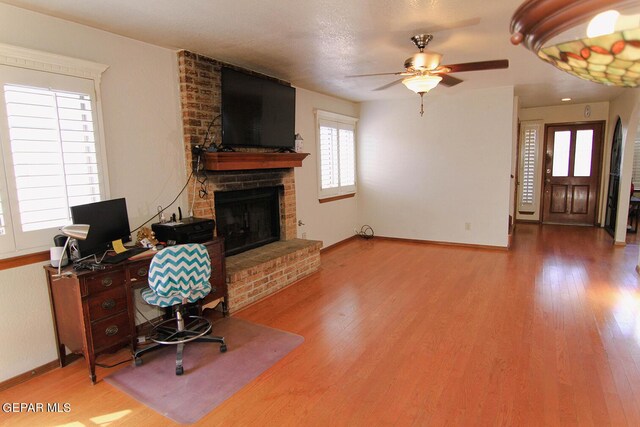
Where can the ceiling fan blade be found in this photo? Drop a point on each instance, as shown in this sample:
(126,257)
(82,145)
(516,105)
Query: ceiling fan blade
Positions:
(478,66)
(449,81)
(399,73)
(388,85)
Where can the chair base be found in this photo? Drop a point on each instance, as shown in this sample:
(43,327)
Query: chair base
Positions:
(164,334)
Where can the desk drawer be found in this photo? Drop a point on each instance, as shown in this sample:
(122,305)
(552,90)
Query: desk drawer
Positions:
(104,281)
(110,331)
(107,303)
(217,269)
(216,292)
(139,272)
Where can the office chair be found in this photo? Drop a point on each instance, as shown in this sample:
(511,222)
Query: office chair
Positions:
(179,275)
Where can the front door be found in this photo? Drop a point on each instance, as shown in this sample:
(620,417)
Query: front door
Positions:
(572,173)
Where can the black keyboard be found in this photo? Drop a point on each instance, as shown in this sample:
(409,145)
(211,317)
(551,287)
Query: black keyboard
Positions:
(124,255)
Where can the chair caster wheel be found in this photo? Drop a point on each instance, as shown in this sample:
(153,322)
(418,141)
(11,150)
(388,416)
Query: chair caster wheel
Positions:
(137,361)
(223,348)
(179,370)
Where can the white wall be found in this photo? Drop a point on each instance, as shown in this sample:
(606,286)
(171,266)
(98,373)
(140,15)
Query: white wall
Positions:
(425,177)
(627,108)
(143,135)
(333,221)
(26,330)
(565,113)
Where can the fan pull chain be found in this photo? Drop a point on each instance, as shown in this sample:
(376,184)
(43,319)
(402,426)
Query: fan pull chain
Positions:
(421,103)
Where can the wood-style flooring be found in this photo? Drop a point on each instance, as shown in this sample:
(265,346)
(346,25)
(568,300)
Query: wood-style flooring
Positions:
(408,334)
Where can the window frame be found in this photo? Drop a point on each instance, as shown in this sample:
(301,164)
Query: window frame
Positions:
(341,122)
(52,66)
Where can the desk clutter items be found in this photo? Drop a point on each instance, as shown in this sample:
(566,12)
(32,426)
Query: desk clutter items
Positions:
(58,257)
(85,265)
(186,230)
(146,237)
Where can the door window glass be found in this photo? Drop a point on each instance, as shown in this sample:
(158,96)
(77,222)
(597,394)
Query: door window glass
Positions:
(584,145)
(561,150)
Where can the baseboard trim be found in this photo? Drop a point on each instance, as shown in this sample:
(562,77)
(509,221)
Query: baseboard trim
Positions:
(436,242)
(21,378)
(338,244)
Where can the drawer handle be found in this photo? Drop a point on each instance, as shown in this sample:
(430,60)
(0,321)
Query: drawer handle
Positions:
(108,304)
(111,330)
(142,271)
(107,281)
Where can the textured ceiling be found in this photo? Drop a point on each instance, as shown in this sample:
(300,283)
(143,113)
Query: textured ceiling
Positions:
(314,44)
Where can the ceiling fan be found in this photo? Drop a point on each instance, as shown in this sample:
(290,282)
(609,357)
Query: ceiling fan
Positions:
(423,71)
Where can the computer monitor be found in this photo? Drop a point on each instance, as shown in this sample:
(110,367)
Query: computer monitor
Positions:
(108,220)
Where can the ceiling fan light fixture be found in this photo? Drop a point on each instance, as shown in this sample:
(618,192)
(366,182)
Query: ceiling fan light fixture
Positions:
(606,52)
(423,61)
(421,83)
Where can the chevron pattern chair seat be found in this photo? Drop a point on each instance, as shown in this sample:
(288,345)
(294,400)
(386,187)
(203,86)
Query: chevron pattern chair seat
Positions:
(153,298)
(179,275)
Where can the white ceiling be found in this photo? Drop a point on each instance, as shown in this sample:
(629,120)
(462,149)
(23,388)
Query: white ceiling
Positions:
(314,44)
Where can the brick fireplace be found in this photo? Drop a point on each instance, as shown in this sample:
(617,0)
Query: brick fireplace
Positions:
(259,272)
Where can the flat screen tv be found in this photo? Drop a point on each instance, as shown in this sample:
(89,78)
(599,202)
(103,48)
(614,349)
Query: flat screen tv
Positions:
(257,112)
(108,221)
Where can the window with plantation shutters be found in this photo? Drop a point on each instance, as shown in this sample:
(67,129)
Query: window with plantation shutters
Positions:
(529,147)
(51,154)
(635,177)
(336,154)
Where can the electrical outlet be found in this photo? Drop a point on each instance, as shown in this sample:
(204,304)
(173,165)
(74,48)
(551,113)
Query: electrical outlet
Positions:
(467,226)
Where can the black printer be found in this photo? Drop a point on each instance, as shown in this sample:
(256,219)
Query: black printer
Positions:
(186,230)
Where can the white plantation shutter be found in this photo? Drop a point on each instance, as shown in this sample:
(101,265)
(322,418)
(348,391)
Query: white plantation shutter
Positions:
(529,147)
(50,151)
(336,154)
(329,172)
(347,156)
(54,154)
(636,164)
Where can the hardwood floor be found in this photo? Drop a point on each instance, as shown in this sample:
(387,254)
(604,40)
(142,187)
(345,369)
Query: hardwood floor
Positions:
(399,333)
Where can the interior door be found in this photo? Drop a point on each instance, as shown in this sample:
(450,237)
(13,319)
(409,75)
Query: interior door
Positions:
(572,173)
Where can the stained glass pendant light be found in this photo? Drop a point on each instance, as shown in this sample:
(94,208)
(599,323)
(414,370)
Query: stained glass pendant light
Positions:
(596,40)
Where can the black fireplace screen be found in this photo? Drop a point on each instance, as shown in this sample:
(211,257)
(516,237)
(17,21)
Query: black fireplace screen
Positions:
(248,218)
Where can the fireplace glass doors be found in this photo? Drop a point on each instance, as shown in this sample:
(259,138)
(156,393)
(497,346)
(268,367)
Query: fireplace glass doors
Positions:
(248,218)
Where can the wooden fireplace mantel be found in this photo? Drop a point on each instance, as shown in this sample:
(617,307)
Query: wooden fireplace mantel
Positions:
(244,161)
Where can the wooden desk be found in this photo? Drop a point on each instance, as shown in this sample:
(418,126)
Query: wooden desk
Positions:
(93,311)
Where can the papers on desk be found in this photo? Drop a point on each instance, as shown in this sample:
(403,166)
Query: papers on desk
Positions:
(118,246)
(146,254)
